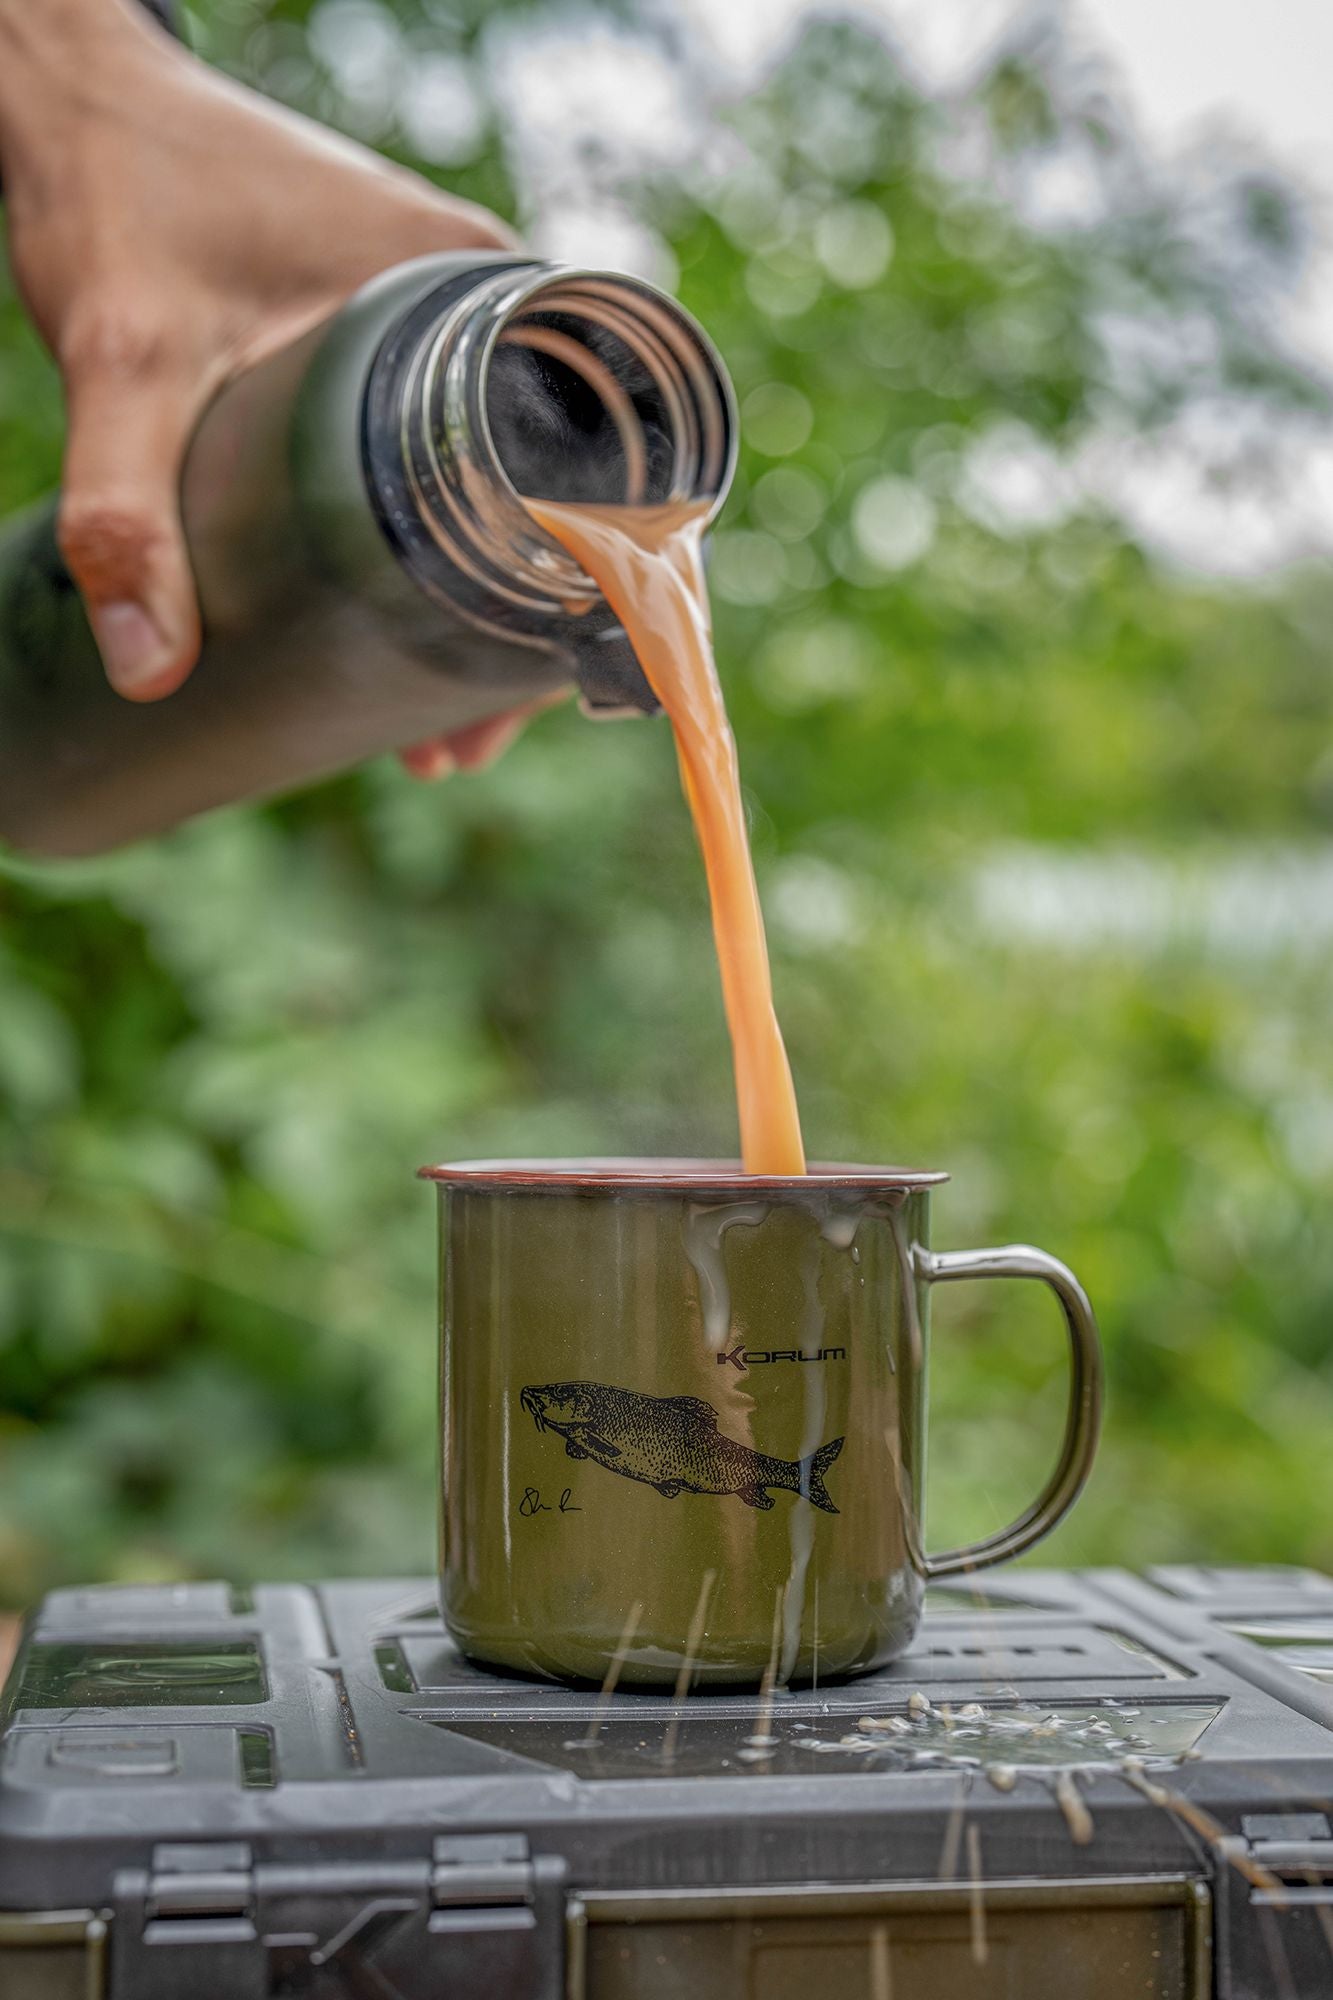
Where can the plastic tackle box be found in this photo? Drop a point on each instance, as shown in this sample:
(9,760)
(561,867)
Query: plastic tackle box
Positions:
(1079,1785)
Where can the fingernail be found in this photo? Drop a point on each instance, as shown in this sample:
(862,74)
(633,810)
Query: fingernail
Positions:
(133,651)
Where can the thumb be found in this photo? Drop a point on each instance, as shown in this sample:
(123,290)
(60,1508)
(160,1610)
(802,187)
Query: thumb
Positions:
(120,530)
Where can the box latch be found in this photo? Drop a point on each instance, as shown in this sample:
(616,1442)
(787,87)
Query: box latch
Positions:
(481,1915)
(1296,1849)
(187,1924)
(501,1913)
(1273,1898)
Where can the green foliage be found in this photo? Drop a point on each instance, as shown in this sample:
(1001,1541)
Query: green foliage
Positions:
(1040,829)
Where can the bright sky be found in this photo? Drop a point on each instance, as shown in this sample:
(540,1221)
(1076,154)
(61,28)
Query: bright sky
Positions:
(1268,66)
(1267,71)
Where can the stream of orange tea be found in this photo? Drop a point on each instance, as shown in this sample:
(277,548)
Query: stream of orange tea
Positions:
(648,564)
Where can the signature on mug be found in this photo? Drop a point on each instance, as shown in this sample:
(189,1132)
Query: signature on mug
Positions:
(532,1503)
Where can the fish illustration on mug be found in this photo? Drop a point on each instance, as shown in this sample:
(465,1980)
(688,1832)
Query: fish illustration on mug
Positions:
(672,1443)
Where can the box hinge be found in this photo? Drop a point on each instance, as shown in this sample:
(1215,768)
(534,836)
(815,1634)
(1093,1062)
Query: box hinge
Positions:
(483,1913)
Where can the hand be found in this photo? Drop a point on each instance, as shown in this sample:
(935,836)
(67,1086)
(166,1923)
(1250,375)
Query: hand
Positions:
(168,229)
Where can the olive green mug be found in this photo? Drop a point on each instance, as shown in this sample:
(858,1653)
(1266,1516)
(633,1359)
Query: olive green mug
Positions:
(684,1416)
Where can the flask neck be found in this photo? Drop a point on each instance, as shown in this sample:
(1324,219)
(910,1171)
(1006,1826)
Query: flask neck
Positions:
(532,380)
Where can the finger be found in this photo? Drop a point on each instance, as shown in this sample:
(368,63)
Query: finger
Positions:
(433,759)
(472,748)
(483,742)
(120,528)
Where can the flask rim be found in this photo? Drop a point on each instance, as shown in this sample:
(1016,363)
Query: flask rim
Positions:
(462,491)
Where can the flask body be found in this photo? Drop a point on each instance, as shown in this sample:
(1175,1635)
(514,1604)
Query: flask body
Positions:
(356,595)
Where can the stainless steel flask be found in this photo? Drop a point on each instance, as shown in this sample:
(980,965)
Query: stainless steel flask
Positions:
(367,572)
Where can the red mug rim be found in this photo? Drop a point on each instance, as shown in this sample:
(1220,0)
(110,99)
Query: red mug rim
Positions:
(623,1174)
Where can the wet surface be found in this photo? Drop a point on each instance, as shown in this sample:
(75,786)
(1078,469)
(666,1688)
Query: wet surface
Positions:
(923,1736)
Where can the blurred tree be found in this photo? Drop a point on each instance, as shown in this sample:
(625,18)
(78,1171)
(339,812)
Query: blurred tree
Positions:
(1042,824)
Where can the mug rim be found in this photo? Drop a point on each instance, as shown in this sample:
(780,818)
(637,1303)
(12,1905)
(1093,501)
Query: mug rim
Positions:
(618,1175)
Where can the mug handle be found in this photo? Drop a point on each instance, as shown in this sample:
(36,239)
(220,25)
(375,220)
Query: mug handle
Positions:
(1083,1422)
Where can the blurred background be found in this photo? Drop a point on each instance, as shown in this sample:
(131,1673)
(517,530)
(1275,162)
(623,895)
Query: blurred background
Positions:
(1022,604)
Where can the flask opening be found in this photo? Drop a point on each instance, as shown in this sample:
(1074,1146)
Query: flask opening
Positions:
(576,414)
(600,388)
(534,380)
(562,385)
